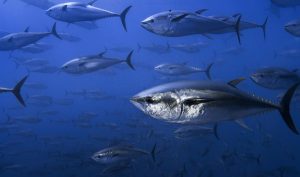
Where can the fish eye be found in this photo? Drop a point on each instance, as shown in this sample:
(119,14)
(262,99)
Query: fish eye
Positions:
(149,99)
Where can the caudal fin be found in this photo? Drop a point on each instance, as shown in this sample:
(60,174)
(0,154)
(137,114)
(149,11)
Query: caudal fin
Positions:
(263,27)
(123,17)
(54,32)
(17,90)
(128,60)
(237,28)
(207,71)
(284,108)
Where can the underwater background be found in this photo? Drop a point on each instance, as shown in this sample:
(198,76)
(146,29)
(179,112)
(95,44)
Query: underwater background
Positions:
(70,117)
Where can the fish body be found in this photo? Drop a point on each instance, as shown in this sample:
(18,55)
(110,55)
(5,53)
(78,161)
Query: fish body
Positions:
(72,12)
(92,63)
(203,102)
(15,41)
(188,132)
(118,154)
(275,78)
(182,23)
(293,27)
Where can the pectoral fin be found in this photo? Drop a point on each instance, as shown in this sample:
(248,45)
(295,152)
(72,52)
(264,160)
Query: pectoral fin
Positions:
(178,18)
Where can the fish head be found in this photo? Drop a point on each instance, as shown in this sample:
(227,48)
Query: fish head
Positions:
(55,11)
(263,77)
(293,27)
(102,157)
(75,66)
(160,68)
(163,105)
(158,23)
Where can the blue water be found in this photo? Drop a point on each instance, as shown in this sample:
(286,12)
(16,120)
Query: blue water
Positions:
(61,145)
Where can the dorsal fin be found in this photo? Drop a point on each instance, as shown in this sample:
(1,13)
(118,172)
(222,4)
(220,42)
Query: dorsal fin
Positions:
(295,70)
(201,11)
(235,82)
(236,15)
(10,39)
(27,29)
(64,8)
(102,53)
(92,2)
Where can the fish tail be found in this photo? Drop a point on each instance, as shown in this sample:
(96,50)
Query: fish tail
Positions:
(54,32)
(237,28)
(263,27)
(123,17)
(128,60)
(153,153)
(284,108)
(4,1)
(17,90)
(208,70)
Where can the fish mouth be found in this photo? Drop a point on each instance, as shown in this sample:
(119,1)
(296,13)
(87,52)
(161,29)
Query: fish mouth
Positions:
(136,99)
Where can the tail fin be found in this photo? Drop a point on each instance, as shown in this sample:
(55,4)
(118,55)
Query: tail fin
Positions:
(284,108)
(153,152)
(4,1)
(237,28)
(216,131)
(207,71)
(263,27)
(128,60)
(123,17)
(54,32)
(17,90)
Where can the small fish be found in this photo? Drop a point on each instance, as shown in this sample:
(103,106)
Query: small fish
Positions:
(41,4)
(293,27)
(181,69)
(194,131)
(16,41)
(47,69)
(35,85)
(288,53)
(120,153)
(72,12)
(36,48)
(16,90)
(155,48)
(275,78)
(190,48)
(93,63)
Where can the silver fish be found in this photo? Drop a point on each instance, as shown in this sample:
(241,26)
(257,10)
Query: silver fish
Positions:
(71,12)
(190,48)
(293,27)
(275,78)
(42,4)
(203,102)
(15,41)
(181,23)
(93,63)
(194,131)
(181,69)
(120,153)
